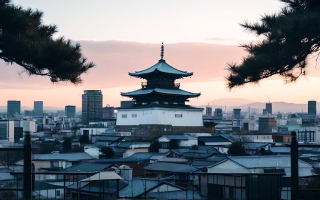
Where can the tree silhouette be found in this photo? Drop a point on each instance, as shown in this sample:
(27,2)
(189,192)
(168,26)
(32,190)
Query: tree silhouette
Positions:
(236,149)
(108,152)
(84,139)
(290,38)
(154,147)
(24,40)
(67,144)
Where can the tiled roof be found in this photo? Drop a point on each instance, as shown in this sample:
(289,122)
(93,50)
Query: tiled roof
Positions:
(213,139)
(266,161)
(63,156)
(87,167)
(170,167)
(164,67)
(137,186)
(176,137)
(180,194)
(160,91)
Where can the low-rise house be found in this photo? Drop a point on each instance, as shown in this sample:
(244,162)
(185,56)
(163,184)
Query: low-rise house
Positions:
(185,141)
(136,161)
(57,160)
(111,140)
(214,141)
(259,164)
(156,189)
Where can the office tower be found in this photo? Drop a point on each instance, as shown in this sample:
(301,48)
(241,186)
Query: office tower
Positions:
(108,112)
(91,106)
(312,107)
(237,113)
(218,112)
(70,111)
(208,111)
(266,124)
(7,130)
(38,109)
(269,108)
(13,108)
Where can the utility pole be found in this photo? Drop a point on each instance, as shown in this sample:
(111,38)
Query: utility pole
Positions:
(294,167)
(27,167)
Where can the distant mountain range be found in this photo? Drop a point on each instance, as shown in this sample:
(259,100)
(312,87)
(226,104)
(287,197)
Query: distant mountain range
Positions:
(229,104)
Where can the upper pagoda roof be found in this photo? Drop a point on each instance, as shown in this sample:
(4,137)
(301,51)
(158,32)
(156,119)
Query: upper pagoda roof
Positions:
(163,67)
(160,91)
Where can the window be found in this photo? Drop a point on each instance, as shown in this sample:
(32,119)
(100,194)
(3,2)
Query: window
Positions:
(178,115)
(124,115)
(134,115)
(58,193)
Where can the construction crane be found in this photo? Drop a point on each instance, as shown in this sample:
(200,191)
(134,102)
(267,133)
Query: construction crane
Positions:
(268,98)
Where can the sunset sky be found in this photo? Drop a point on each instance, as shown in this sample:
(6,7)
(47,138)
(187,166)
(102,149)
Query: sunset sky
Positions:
(125,36)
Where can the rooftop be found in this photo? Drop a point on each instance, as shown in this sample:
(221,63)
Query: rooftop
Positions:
(63,156)
(160,91)
(164,67)
(170,167)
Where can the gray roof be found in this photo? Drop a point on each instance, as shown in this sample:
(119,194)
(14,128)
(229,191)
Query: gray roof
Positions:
(254,145)
(124,144)
(213,139)
(170,167)
(160,91)
(137,187)
(136,157)
(63,156)
(176,137)
(280,149)
(180,194)
(87,167)
(266,161)
(164,67)
(108,138)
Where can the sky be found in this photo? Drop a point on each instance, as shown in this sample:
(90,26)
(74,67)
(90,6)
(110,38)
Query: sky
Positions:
(125,36)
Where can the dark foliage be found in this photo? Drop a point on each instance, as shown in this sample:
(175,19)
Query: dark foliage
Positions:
(291,37)
(24,40)
(84,139)
(154,147)
(194,147)
(236,149)
(108,152)
(67,144)
(47,147)
(174,144)
(8,158)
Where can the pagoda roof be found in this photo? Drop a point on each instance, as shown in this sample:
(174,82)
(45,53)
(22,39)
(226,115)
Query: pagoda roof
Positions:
(161,91)
(156,105)
(163,67)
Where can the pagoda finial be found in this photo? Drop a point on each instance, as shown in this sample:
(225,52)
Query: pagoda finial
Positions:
(162,51)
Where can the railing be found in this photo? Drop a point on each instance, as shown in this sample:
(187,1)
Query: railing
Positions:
(144,85)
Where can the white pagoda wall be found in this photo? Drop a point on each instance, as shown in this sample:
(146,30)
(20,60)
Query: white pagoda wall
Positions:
(160,116)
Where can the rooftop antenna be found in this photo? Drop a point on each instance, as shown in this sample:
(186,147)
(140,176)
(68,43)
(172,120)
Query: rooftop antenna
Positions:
(162,51)
(267,97)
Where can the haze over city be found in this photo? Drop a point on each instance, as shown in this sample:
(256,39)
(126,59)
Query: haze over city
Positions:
(202,43)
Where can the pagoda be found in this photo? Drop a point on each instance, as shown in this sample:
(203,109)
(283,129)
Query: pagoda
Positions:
(160,99)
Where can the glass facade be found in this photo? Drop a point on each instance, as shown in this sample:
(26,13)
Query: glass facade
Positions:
(91,106)
(13,108)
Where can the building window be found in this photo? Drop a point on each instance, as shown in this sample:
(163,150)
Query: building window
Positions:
(124,115)
(165,145)
(134,115)
(178,115)
(58,193)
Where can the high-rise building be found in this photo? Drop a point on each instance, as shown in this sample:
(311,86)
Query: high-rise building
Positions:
(70,111)
(218,112)
(267,124)
(269,108)
(13,108)
(7,130)
(312,107)
(28,113)
(91,105)
(108,112)
(38,109)
(208,111)
(237,113)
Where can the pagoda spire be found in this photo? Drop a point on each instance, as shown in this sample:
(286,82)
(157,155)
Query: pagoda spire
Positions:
(162,51)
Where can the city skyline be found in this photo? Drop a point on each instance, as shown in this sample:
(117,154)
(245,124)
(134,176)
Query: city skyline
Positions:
(205,54)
